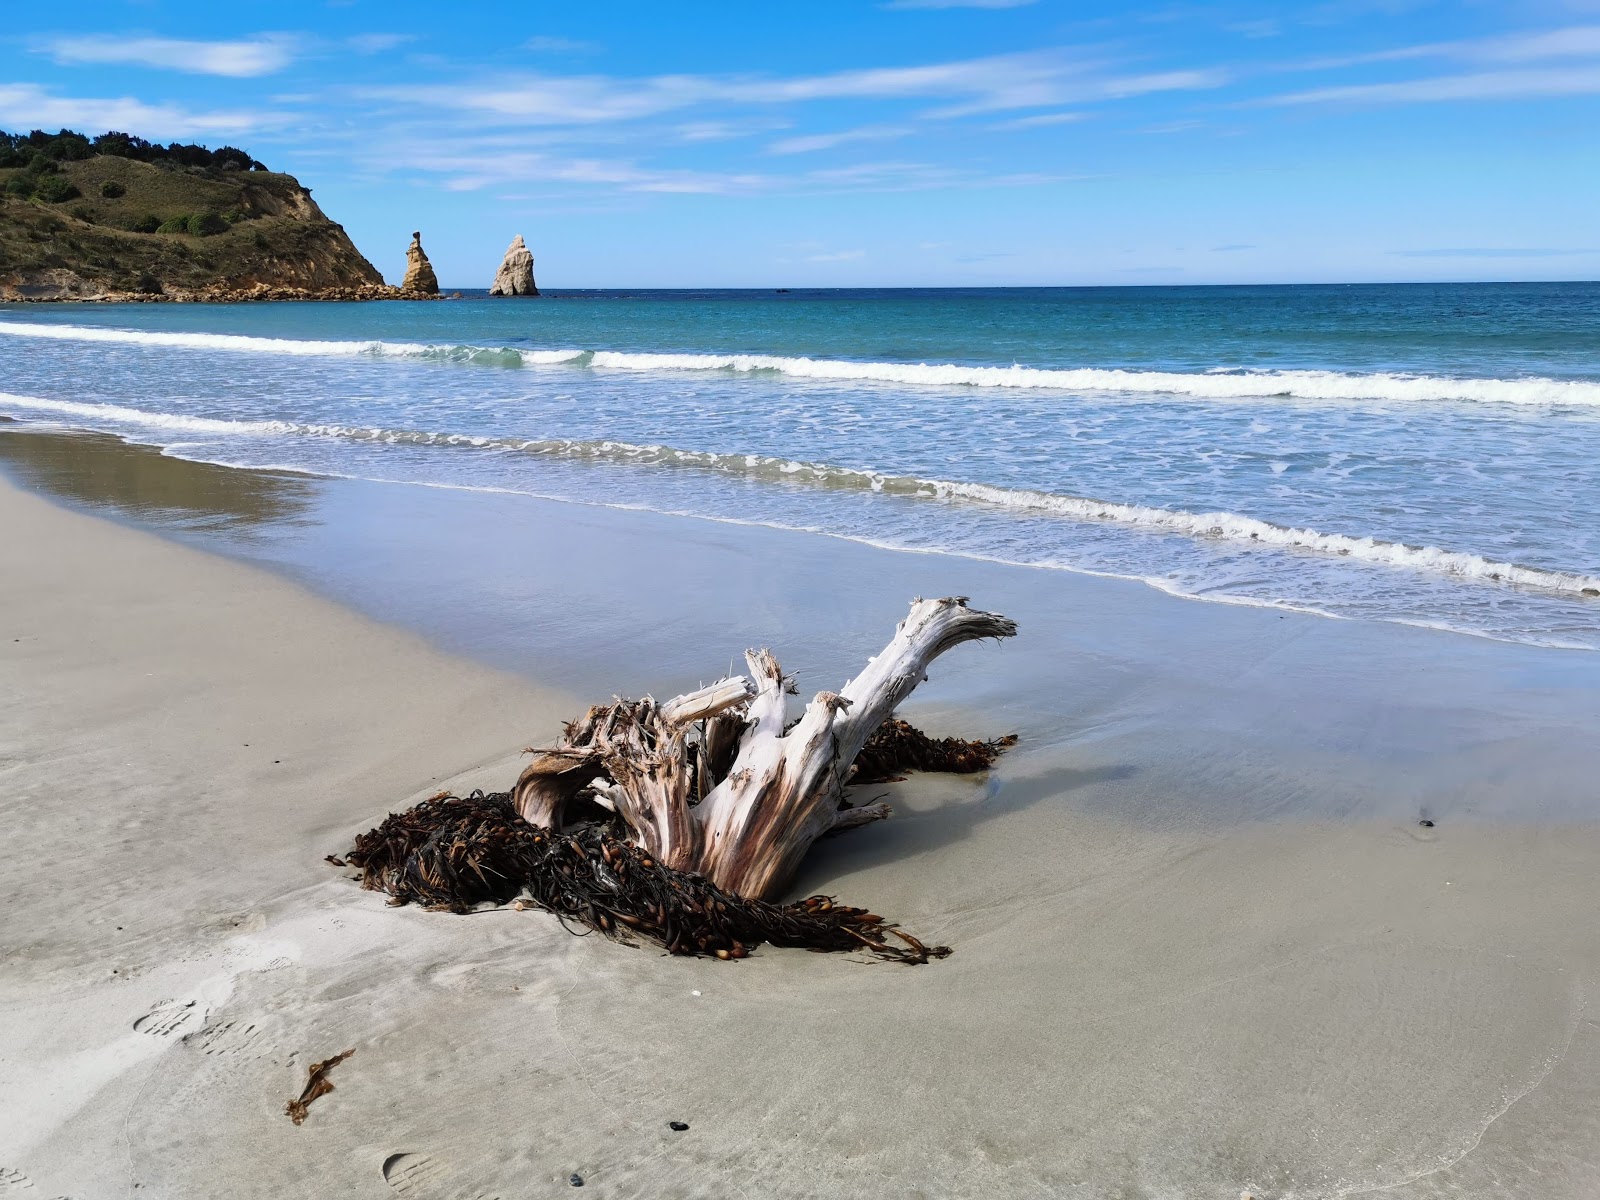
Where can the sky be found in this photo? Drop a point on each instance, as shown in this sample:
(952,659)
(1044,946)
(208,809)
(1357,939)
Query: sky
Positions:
(896,143)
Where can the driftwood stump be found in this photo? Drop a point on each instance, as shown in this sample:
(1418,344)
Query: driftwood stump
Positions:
(717,781)
(681,822)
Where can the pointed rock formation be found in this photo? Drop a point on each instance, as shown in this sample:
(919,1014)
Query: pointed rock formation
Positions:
(515,276)
(420,279)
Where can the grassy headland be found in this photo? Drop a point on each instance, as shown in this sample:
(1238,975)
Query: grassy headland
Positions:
(117,218)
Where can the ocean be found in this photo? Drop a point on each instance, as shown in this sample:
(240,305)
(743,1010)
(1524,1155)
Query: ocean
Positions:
(1423,454)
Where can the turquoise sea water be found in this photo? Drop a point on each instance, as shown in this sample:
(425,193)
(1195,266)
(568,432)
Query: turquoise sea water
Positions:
(1418,453)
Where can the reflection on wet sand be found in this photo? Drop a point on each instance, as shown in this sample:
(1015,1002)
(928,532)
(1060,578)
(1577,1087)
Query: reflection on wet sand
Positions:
(141,483)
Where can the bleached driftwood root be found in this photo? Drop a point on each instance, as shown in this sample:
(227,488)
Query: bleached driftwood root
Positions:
(717,782)
(678,823)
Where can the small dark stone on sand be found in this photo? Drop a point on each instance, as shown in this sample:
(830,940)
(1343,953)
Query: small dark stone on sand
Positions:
(1425,823)
(676,1126)
(576,1180)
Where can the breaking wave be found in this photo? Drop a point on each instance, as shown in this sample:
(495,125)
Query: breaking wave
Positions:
(1215,526)
(1214,384)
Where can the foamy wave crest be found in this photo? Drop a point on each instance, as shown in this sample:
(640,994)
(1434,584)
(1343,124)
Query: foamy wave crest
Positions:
(138,416)
(1218,384)
(1217,526)
(501,356)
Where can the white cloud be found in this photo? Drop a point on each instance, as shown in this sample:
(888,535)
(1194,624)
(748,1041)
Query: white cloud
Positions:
(264,55)
(722,131)
(1035,79)
(26,106)
(827,141)
(1166,127)
(470,172)
(837,256)
(1483,85)
(377,43)
(559,45)
(1577,41)
(1040,120)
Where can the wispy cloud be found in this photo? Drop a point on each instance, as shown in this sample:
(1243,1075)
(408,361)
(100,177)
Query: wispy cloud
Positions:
(559,45)
(837,256)
(1503,70)
(1033,79)
(1039,120)
(243,59)
(1168,127)
(468,171)
(27,106)
(805,144)
(1481,85)
(1577,41)
(377,43)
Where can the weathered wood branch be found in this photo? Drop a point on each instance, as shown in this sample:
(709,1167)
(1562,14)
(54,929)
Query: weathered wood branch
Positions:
(711,782)
(783,791)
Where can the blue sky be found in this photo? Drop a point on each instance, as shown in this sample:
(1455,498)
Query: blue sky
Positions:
(906,142)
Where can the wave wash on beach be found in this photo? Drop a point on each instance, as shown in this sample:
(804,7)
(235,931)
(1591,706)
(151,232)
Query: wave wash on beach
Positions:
(1248,446)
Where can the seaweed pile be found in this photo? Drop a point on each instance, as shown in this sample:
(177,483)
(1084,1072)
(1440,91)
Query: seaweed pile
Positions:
(897,746)
(455,852)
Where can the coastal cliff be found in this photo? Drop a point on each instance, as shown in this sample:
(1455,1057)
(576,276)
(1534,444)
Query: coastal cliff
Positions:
(80,223)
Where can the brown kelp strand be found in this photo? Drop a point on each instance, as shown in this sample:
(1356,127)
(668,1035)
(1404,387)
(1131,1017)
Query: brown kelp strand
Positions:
(898,746)
(317,1084)
(456,852)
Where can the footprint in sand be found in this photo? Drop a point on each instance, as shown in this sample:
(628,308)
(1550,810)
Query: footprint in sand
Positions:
(167,1018)
(418,1177)
(14,1183)
(234,1038)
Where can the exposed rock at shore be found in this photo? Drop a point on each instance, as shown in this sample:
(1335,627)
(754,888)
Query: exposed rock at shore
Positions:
(223,294)
(138,230)
(420,279)
(515,276)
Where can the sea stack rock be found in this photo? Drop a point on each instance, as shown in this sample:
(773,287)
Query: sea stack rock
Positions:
(515,276)
(420,279)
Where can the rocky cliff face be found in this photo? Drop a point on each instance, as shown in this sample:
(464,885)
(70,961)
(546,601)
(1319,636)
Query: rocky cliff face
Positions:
(515,276)
(420,279)
(136,230)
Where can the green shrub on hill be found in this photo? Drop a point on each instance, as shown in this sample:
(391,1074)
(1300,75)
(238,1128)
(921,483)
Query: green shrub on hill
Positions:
(19,185)
(194,224)
(25,149)
(149,223)
(112,190)
(206,224)
(53,189)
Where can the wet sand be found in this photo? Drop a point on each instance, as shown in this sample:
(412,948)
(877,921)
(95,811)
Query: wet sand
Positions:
(1203,944)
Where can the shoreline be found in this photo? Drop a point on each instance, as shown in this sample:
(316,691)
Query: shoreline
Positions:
(1201,943)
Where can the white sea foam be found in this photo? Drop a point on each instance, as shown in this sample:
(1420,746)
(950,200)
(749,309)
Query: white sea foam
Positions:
(1217,384)
(301,347)
(1216,526)
(117,414)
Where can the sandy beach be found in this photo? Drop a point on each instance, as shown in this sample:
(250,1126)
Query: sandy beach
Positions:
(1202,943)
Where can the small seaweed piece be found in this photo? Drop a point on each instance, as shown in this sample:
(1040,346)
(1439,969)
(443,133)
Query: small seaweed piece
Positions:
(317,1084)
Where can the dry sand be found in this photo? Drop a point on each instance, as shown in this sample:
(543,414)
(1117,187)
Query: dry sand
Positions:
(1333,1004)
